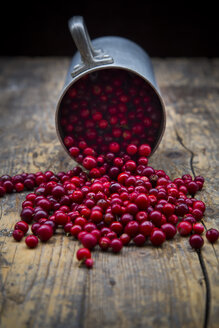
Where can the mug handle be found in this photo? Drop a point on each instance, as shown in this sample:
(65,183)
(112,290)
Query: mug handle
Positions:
(90,57)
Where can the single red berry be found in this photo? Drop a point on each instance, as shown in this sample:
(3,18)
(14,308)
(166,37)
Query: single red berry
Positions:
(27,214)
(212,235)
(21,225)
(125,239)
(18,234)
(89,241)
(75,230)
(31,241)
(142,201)
(96,216)
(44,232)
(116,227)
(131,149)
(157,237)
(104,243)
(196,241)
(61,218)
(156,218)
(19,187)
(68,227)
(83,254)
(198,228)
(139,240)
(184,228)
(89,263)
(132,228)
(146,228)
(116,245)
(89,162)
(169,230)
(144,150)
(114,147)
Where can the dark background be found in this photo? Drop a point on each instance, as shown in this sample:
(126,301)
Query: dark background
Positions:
(163,28)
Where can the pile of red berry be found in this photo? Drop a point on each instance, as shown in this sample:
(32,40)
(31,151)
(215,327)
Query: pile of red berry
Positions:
(141,205)
(110,127)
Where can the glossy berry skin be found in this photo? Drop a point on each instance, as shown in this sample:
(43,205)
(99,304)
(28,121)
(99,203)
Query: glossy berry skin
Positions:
(198,228)
(116,245)
(44,232)
(142,201)
(146,228)
(21,225)
(156,218)
(196,241)
(125,239)
(18,234)
(83,254)
(184,228)
(104,243)
(31,241)
(212,235)
(132,228)
(61,218)
(157,237)
(139,240)
(89,241)
(89,263)
(169,230)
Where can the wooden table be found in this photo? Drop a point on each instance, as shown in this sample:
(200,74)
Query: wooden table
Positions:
(171,286)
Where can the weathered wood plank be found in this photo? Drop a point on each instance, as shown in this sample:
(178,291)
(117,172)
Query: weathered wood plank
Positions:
(141,287)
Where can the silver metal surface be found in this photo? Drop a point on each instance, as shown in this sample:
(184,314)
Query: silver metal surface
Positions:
(107,53)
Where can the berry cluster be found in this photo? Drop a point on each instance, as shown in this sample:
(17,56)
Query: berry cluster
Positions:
(105,111)
(140,205)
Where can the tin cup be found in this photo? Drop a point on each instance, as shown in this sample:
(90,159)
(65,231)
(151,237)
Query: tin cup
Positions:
(107,53)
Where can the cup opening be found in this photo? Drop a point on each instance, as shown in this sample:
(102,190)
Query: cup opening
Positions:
(109,105)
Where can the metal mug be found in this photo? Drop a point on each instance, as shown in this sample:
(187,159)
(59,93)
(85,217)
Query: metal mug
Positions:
(110,52)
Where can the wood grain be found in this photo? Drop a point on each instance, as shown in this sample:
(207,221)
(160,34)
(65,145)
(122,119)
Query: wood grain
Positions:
(142,287)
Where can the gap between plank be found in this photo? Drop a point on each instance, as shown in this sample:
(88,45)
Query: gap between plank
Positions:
(200,257)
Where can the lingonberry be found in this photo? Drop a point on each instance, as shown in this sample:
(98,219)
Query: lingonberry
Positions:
(27,214)
(89,162)
(146,228)
(96,234)
(139,240)
(89,263)
(35,227)
(75,230)
(157,237)
(197,213)
(104,243)
(89,241)
(169,230)
(21,225)
(198,228)
(144,150)
(125,239)
(212,235)
(61,218)
(132,228)
(156,218)
(131,149)
(184,228)
(116,245)
(196,241)
(18,234)
(83,254)
(142,201)
(44,232)
(31,241)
